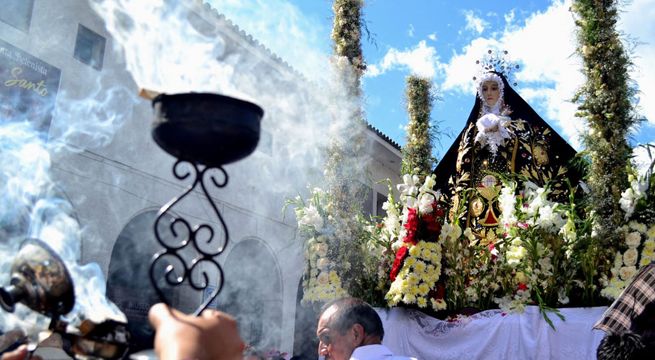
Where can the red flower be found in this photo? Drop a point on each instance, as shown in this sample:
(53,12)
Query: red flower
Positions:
(522,286)
(438,210)
(412,219)
(411,225)
(440,291)
(432,224)
(401,254)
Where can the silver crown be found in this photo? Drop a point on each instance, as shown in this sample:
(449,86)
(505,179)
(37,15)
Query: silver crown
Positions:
(496,61)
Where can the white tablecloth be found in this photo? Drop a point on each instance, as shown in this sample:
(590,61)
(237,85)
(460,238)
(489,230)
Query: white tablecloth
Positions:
(492,334)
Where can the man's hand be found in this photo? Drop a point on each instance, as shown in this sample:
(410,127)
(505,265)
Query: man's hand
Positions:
(19,354)
(211,336)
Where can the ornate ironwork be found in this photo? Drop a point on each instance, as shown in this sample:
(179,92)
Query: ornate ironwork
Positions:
(206,247)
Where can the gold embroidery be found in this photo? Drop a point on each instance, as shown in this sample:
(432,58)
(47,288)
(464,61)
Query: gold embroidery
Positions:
(477,206)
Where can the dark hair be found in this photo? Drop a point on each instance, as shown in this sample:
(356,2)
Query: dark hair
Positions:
(351,311)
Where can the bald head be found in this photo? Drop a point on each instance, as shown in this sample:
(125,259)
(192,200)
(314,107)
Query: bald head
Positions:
(346,312)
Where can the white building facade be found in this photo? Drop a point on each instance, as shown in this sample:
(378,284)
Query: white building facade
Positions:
(116,178)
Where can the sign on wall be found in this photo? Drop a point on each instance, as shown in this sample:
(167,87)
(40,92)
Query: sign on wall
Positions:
(28,87)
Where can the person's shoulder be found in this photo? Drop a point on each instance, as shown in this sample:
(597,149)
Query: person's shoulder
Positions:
(376,352)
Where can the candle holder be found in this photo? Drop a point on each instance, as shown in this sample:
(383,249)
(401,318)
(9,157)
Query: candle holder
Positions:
(204,131)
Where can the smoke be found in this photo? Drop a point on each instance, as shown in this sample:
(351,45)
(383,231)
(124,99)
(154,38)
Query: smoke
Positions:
(36,127)
(31,207)
(185,46)
(89,119)
(162,49)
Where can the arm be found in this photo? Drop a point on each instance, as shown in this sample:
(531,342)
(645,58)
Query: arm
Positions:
(213,335)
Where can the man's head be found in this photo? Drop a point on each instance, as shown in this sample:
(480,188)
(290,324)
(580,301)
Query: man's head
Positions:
(345,325)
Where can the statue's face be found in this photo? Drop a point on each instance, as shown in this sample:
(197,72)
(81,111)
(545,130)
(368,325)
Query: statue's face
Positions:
(490,92)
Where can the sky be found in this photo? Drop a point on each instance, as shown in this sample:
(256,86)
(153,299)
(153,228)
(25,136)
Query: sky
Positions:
(441,40)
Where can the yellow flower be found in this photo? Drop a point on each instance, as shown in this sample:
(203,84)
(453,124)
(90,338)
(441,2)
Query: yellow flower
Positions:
(423,289)
(638,226)
(412,279)
(404,284)
(422,302)
(410,261)
(419,267)
(439,304)
(427,254)
(651,232)
(521,277)
(414,251)
(409,299)
(645,261)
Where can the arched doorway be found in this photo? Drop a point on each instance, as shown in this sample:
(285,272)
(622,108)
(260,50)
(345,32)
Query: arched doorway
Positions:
(128,283)
(253,293)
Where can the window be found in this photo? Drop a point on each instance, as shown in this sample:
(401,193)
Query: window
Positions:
(17,13)
(89,47)
(381,199)
(367,206)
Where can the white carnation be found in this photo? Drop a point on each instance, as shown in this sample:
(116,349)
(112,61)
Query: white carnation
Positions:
(630,257)
(425,203)
(633,239)
(311,217)
(627,272)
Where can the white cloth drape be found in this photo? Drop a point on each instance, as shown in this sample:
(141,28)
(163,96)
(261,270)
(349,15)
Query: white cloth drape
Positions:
(492,334)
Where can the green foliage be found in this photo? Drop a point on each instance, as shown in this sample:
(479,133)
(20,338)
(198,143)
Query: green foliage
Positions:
(605,102)
(346,31)
(417,152)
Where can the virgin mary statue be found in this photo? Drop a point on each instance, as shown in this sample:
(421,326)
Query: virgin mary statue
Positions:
(502,136)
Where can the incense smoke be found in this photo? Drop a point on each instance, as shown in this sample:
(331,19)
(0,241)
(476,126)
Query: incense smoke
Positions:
(173,47)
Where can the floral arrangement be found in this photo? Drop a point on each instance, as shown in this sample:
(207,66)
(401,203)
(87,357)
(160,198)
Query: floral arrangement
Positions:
(417,265)
(639,245)
(543,253)
(537,256)
(321,281)
(637,248)
(539,237)
(528,259)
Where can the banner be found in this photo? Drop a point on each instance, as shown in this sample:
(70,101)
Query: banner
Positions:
(28,87)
